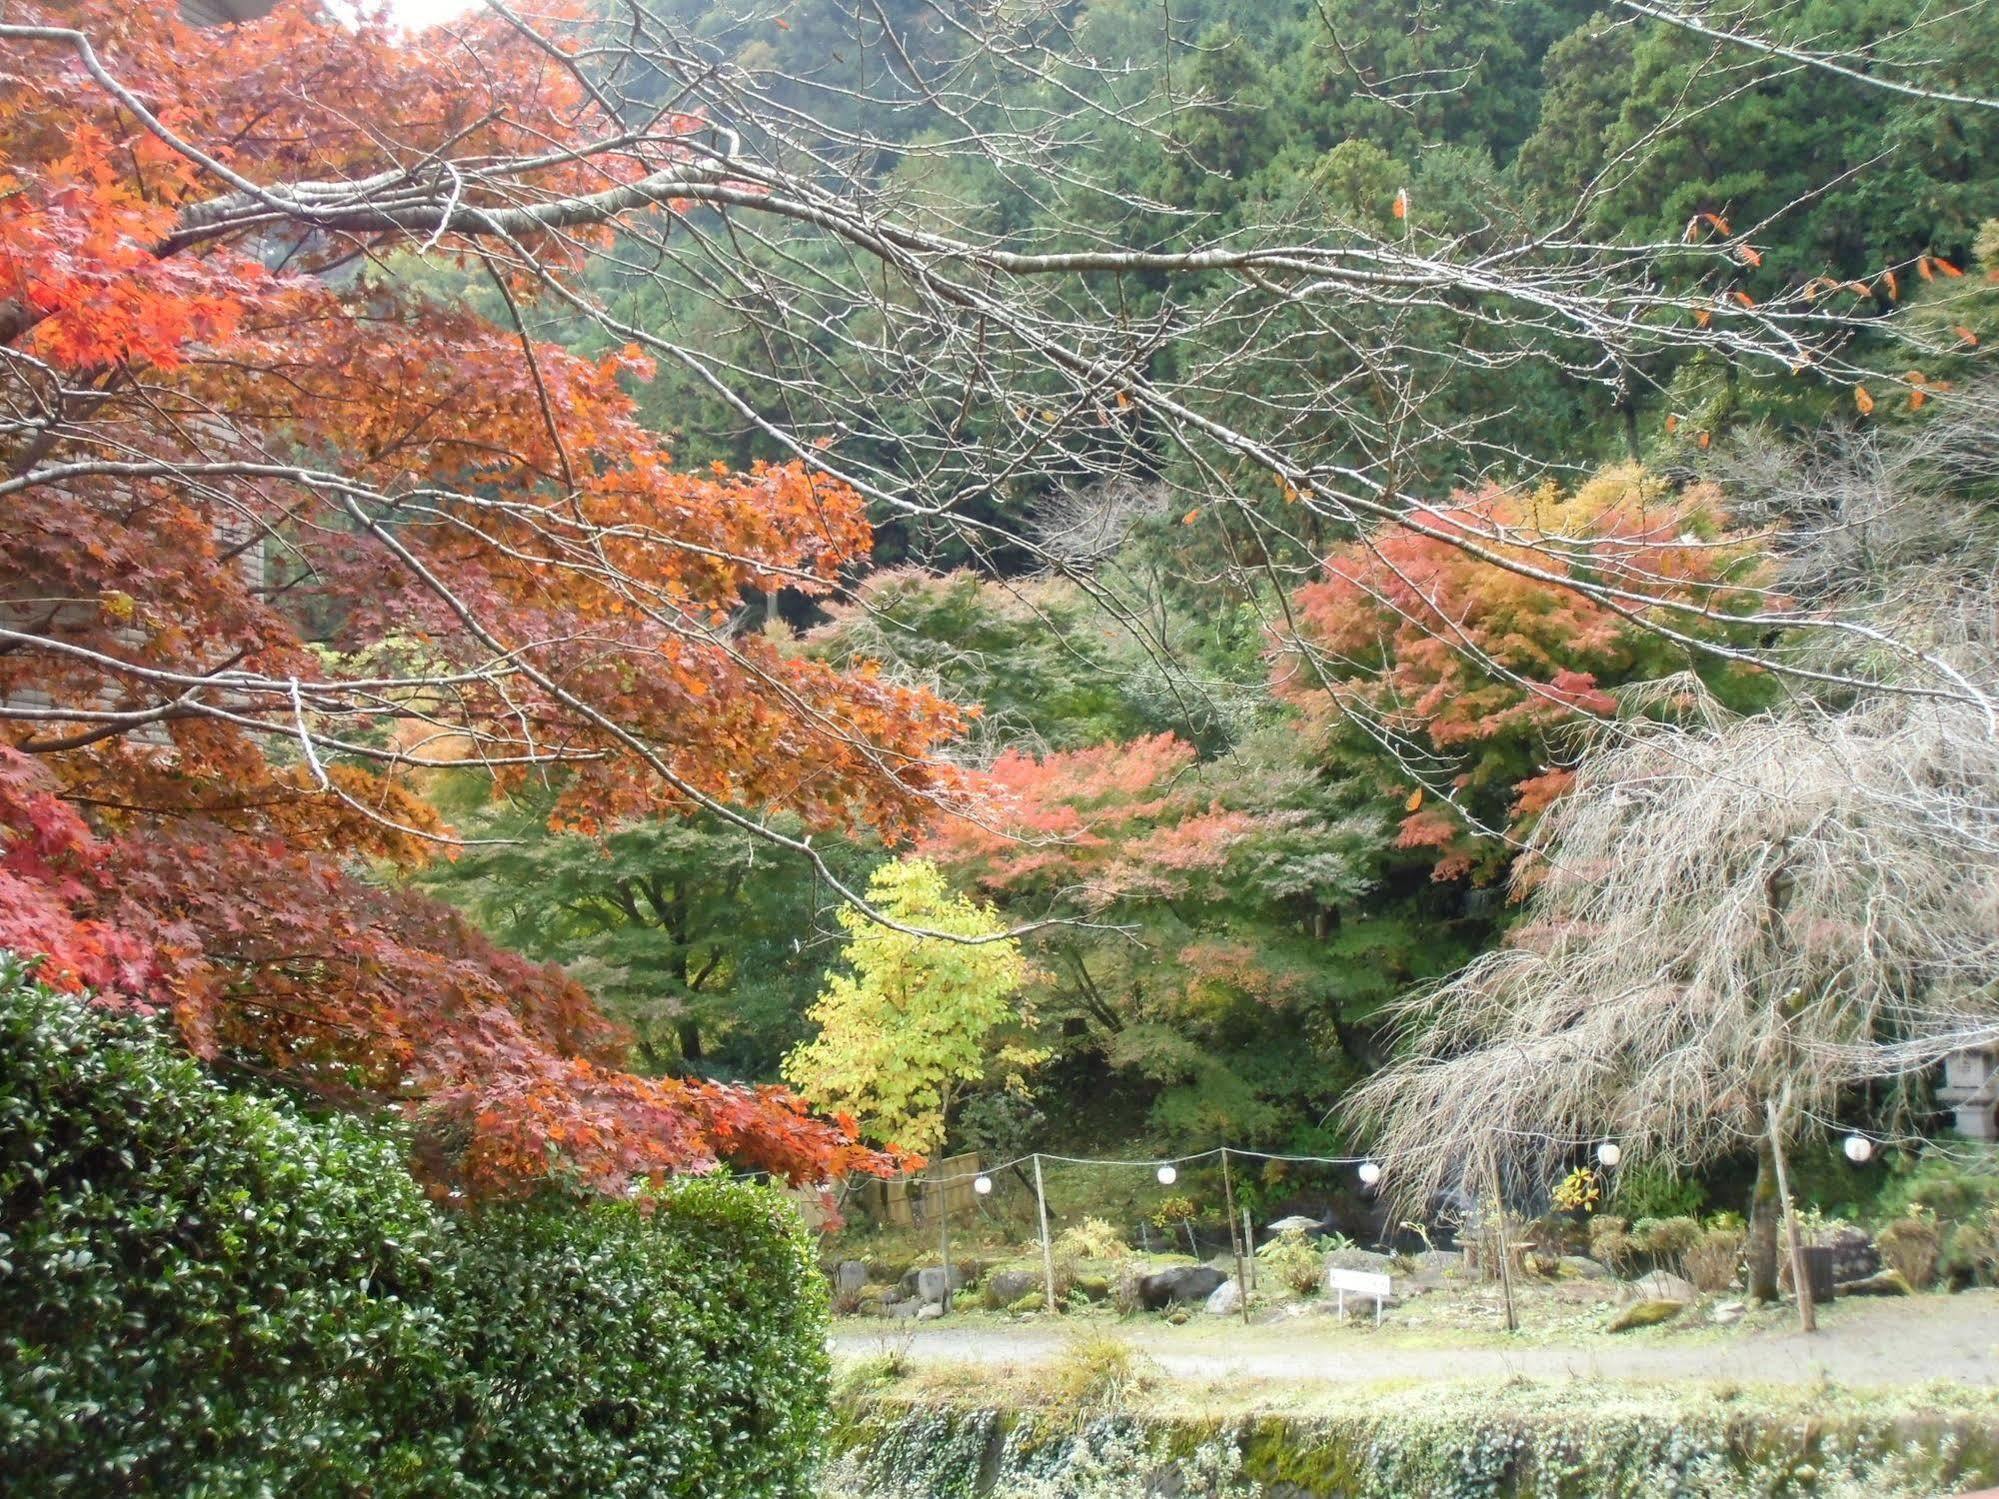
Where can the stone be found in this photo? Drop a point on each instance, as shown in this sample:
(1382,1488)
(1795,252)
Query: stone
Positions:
(1005,1287)
(1582,1267)
(1360,1259)
(929,1311)
(1225,1300)
(1887,1283)
(850,1276)
(1437,1263)
(1854,1256)
(1092,1288)
(1180,1283)
(1646,1314)
(1660,1286)
(914,1281)
(932,1281)
(1727,1312)
(1033,1301)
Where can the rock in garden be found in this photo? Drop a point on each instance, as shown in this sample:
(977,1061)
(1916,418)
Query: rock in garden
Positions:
(1646,1314)
(913,1282)
(929,1311)
(1439,1262)
(1727,1312)
(1359,1259)
(1005,1287)
(1225,1300)
(1581,1267)
(1180,1283)
(1660,1286)
(932,1281)
(1854,1256)
(1887,1283)
(850,1275)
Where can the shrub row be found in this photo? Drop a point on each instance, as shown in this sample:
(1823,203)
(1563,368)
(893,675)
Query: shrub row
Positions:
(209,1292)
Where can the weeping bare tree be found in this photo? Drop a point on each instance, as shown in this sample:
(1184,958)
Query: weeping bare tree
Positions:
(1736,924)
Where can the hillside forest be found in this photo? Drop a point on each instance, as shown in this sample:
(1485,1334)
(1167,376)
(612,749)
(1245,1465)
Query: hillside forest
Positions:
(797,587)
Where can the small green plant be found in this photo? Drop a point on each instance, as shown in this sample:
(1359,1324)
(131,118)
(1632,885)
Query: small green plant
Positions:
(1092,1239)
(1581,1191)
(1174,1211)
(1298,1264)
(1657,1192)
(1099,1371)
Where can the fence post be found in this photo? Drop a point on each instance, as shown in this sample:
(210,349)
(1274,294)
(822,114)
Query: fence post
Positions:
(1228,1200)
(1047,1249)
(1249,1238)
(943,1227)
(1801,1282)
(1505,1249)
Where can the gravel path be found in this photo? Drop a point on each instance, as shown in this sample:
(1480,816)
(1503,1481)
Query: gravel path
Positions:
(1860,1343)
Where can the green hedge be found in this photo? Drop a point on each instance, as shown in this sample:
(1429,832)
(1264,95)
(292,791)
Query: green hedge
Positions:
(208,1292)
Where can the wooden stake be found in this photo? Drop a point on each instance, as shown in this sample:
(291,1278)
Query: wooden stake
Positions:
(1249,1238)
(1047,1248)
(1801,1283)
(1505,1250)
(943,1227)
(1228,1201)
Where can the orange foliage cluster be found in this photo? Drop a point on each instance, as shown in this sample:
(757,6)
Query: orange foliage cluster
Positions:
(1474,666)
(1115,822)
(403,469)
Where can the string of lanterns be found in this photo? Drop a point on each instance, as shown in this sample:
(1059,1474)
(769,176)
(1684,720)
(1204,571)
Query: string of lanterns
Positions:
(1857,1148)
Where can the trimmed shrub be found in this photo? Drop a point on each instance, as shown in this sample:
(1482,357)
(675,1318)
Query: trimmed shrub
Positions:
(208,1292)
(676,1345)
(1912,1244)
(1712,1260)
(1667,1240)
(1971,1251)
(1611,1243)
(199,1291)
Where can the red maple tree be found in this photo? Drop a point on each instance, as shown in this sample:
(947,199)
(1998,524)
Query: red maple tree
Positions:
(283,530)
(1414,652)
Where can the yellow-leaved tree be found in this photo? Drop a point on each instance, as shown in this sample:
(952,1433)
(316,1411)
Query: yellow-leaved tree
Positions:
(917,1019)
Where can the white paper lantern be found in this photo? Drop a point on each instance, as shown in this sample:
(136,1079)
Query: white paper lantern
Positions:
(1859,1149)
(1370,1173)
(1167,1176)
(1610,1152)
(983,1185)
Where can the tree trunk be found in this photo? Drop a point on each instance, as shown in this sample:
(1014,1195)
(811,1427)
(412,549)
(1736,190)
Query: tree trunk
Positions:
(1763,1210)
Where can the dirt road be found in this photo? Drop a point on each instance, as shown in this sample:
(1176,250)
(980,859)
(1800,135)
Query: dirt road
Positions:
(1860,1343)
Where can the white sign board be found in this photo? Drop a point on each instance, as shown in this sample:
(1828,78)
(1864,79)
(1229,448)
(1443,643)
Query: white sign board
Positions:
(1361,1283)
